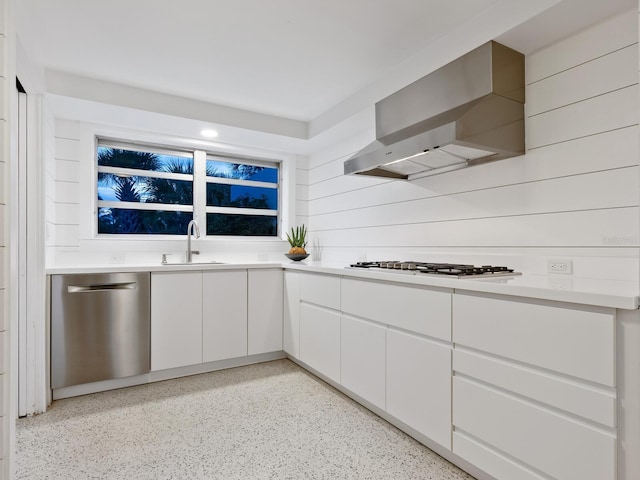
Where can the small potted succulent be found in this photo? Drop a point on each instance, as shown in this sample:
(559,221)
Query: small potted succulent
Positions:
(298,240)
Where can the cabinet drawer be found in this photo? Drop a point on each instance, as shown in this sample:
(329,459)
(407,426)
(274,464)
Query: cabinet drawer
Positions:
(491,461)
(574,340)
(321,290)
(596,404)
(557,445)
(420,310)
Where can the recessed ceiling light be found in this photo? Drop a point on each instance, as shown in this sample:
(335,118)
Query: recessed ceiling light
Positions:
(208,133)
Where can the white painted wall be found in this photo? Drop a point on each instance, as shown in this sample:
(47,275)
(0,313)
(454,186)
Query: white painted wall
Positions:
(573,195)
(6,427)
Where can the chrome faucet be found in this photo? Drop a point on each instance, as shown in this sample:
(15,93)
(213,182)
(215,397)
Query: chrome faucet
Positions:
(192,229)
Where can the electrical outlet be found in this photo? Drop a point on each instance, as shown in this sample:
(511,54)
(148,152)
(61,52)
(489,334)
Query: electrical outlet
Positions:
(564,267)
(118,258)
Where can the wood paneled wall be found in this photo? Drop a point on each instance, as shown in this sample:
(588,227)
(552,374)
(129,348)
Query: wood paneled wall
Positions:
(574,193)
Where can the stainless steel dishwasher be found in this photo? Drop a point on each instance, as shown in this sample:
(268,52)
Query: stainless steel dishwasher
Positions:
(100,327)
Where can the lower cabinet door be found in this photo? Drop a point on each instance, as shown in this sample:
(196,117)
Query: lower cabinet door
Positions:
(224,319)
(176,319)
(320,340)
(265,311)
(363,353)
(419,385)
(291,314)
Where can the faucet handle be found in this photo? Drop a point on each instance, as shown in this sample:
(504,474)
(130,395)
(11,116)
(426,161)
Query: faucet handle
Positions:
(164,258)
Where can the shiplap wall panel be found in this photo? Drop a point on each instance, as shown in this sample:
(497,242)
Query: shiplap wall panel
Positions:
(62,188)
(66,213)
(593,228)
(613,110)
(302,208)
(68,170)
(302,176)
(50,185)
(585,155)
(302,193)
(337,185)
(67,192)
(344,149)
(599,40)
(66,235)
(67,149)
(576,189)
(584,81)
(521,199)
(68,129)
(328,171)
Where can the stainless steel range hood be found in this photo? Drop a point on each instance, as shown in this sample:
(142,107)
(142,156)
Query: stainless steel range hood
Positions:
(468,112)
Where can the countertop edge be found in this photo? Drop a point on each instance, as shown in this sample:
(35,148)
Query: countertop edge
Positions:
(116,268)
(594,292)
(496,286)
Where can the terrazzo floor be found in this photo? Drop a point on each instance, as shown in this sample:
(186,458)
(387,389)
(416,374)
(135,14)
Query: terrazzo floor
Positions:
(267,421)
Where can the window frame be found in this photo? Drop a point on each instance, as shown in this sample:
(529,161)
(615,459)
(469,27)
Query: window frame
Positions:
(199,179)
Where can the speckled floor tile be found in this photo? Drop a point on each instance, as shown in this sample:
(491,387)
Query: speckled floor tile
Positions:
(267,421)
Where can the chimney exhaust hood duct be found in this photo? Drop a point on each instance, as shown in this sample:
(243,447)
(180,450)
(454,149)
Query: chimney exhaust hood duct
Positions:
(470,111)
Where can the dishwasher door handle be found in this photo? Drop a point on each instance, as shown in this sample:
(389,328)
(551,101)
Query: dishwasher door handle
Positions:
(100,287)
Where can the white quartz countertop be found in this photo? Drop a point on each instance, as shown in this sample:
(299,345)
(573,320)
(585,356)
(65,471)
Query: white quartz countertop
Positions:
(563,288)
(587,291)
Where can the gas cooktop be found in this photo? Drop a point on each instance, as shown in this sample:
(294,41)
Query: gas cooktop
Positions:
(449,269)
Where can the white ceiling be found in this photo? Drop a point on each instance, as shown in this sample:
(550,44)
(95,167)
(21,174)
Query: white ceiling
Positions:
(290,58)
(294,59)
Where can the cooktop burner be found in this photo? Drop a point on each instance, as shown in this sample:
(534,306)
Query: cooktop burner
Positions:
(450,269)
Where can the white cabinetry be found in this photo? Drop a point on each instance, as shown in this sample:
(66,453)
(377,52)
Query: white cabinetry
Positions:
(534,388)
(291,318)
(224,321)
(419,384)
(320,340)
(320,323)
(396,352)
(176,319)
(209,316)
(265,311)
(363,354)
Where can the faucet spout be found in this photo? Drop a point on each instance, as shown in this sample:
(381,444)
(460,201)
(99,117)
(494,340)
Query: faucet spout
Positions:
(192,229)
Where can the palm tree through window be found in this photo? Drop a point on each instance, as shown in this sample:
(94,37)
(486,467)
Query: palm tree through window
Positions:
(149,191)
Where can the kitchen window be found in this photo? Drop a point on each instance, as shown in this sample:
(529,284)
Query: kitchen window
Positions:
(154,191)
